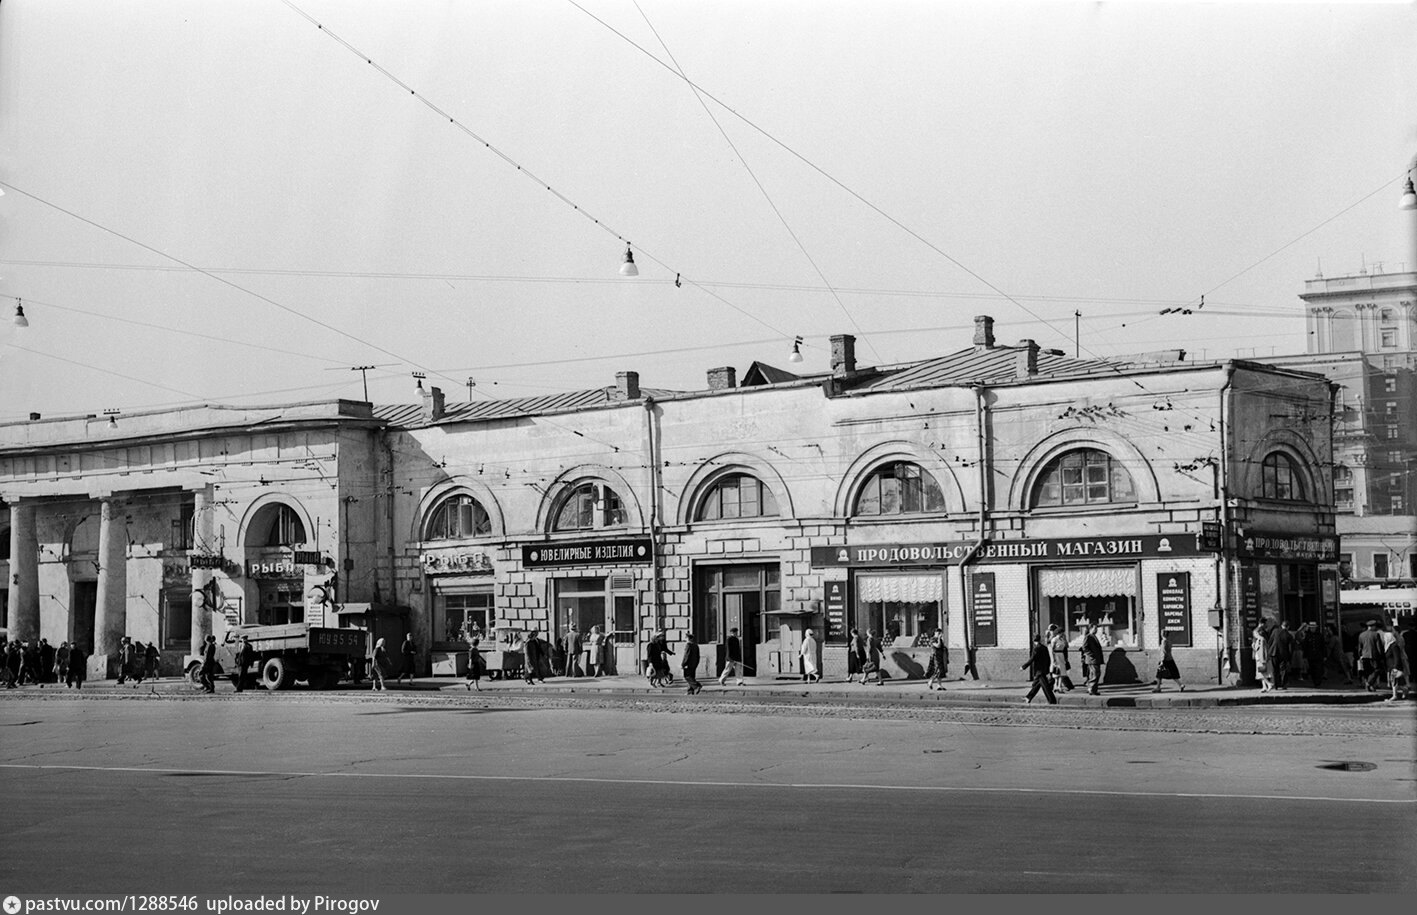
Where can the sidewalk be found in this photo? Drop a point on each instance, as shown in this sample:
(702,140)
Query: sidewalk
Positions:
(956,692)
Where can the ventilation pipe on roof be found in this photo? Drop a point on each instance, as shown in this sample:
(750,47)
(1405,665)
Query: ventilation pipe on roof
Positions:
(983,331)
(627,386)
(843,354)
(433,404)
(722,378)
(1026,361)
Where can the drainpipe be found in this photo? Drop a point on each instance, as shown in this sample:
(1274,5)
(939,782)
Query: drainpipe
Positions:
(392,489)
(971,666)
(655,476)
(1222,561)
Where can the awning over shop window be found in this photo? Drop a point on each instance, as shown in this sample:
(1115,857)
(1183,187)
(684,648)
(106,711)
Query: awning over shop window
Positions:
(901,589)
(1088,582)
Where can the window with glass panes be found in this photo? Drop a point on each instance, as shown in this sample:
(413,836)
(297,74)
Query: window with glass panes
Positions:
(458,518)
(737,495)
(1279,479)
(455,614)
(899,488)
(589,506)
(286,528)
(1083,477)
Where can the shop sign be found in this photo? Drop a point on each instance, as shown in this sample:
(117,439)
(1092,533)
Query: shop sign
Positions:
(913,554)
(1173,597)
(445,563)
(205,561)
(279,568)
(1250,597)
(834,606)
(175,573)
(308,558)
(981,604)
(1212,536)
(587,552)
(1265,545)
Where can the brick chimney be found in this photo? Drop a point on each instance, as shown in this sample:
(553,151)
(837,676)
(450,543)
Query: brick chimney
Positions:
(722,378)
(627,386)
(1026,359)
(843,354)
(433,401)
(983,331)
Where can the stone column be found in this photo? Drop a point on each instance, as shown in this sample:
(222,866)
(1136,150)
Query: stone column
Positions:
(24,572)
(111,614)
(204,544)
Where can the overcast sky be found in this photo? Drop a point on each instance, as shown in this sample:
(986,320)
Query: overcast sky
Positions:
(224,202)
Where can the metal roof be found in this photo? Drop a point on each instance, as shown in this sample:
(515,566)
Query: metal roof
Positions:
(412,415)
(993,365)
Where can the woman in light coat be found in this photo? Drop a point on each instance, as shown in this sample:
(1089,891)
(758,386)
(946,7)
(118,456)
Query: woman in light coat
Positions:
(595,644)
(808,651)
(1259,647)
(379,665)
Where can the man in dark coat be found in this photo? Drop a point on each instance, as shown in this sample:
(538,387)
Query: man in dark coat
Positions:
(573,651)
(1092,660)
(1041,663)
(1281,649)
(46,661)
(245,656)
(78,666)
(410,659)
(1371,664)
(125,659)
(531,657)
(207,674)
(733,659)
(1314,648)
(690,664)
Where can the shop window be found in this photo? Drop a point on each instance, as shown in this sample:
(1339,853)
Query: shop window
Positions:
(286,528)
(1083,477)
(281,603)
(903,609)
(589,506)
(737,495)
(742,597)
(458,518)
(1104,596)
(1279,478)
(1380,565)
(899,488)
(456,614)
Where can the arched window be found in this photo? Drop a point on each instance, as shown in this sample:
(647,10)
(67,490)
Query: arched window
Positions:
(1083,477)
(589,506)
(286,528)
(899,488)
(738,495)
(1279,478)
(458,518)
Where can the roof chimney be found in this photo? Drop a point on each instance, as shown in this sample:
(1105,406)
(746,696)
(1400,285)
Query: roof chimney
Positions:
(843,354)
(722,378)
(627,386)
(1026,359)
(983,331)
(34,416)
(433,401)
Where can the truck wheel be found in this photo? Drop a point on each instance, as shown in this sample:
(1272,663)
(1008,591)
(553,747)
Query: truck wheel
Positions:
(194,674)
(276,674)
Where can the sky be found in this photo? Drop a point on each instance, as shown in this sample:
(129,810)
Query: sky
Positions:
(241,202)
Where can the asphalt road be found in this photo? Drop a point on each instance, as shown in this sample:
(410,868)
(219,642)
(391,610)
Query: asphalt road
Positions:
(302,794)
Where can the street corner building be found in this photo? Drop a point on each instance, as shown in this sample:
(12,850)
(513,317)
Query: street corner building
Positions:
(990,492)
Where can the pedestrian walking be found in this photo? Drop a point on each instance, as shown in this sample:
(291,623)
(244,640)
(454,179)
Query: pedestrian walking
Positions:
(732,658)
(939,661)
(1281,653)
(245,657)
(29,664)
(1040,667)
(1313,646)
(532,656)
(1259,650)
(125,659)
(1091,653)
(475,663)
(140,652)
(410,659)
(574,646)
(61,664)
(808,653)
(151,657)
(1395,657)
(1336,653)
(207,675)
(1058,651)
(78,666)
(379,665)
(1166,668)
(855,656)
(657,653)
(46,661)
(595,644)
(690,664)
(871,667)
(1371,658)
(10,664)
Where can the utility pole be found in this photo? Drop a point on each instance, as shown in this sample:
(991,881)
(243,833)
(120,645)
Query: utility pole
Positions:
(471,383)
(363,371)
(1077,334)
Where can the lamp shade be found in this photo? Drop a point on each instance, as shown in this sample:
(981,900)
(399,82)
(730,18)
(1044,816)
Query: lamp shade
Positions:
(1409,197)
(796,355)
(20,319)
(628,268)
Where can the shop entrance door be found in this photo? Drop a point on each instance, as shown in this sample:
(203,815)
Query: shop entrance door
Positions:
(81,614)
(743,611)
